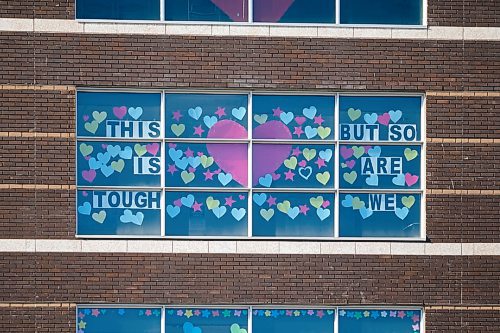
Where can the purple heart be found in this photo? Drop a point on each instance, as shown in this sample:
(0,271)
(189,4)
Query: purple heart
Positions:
(346,152)
(85,117)
(350,163)
(153,148)
(120,111)
(89,175)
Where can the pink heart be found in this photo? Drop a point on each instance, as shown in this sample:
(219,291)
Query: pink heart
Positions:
(384,119)
(236,10)
(85,117)
(104,146)
(120,111)
(153,148)
(346,152)
(303,163)
(275,176)
(325,204)
(241,197)
(172,145)
(270,11)
(200,153)
(350,164)
(410,179)
(85,193)
(89,175)
(300,120)
(367,148)
(178,203)
(87,157)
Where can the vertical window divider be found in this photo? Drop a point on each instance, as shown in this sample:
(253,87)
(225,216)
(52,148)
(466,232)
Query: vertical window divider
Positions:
(162,328)
(423,169)
(249,163)
(336,321)
(336,184)
(163,163)
(250,319)
(250,11)
(162,12)
(337,11)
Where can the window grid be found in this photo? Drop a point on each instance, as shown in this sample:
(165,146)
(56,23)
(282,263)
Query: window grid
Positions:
(336,142)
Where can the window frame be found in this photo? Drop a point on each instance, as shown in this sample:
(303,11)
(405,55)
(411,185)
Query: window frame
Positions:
(249,190)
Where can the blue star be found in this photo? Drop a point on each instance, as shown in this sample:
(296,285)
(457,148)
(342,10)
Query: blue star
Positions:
(260,313)
(121,312)
(350,314)
(156,312)
(205,313)
(275,313)
(87,311)
(375,314)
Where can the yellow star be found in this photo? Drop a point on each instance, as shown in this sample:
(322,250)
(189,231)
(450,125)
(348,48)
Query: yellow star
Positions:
(366,313)
(267,313)
(188,313)
(296,313)
(82,324)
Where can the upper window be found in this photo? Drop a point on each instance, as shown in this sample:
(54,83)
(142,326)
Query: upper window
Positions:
(391,12)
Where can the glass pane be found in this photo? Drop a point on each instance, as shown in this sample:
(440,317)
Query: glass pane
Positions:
(293,321)
(380,321)
(380,167)
(293,214)
(125,320)
(294,11)
(381,12)
(197,320)
(105,163)
(371,118)
(206,214)
(118,115)
(206,116)
(119,212)
(293,117)
(379,215)
(206,10)
(118,9)
(293,166)
(207,165)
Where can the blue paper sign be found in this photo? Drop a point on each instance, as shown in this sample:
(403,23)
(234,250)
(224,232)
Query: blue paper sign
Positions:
(293,320)
(119,212)
(118,320)
(198,320)
(380,321)
(119,115)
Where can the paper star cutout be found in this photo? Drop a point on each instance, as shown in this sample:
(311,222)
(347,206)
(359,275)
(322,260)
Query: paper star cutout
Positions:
(82,324)
(188,313)
(81,315)
(296,313)
(366,313)
(383,314)
(415,318)
(172,169)
(177,115)
(205,313)
(156,312)
(271,201)
(277,112)
(95,312)
(226,313)
(296,151)
(209,175)
(180,312)
(148,313)
(310,312)
(220,112)
(198,130)
(121,312)
(237,313)
(267,313)
(415,327)
(298,131)
(342,313)
(289,175)
(197,313)
(189,153)
(318,120)
(215,313)
(358,315)
(230,201)
(320,162)
(375,314)
(196,206)
(401,314)
(303,209)
(320,314)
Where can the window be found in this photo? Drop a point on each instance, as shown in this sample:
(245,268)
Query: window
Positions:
(293,320)
(379,320)
(249,165)
(118,320)
(390,12)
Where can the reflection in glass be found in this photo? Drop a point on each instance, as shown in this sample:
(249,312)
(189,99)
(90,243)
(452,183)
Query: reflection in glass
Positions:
(118,9)
(404,12)
(294,11)
(207,10)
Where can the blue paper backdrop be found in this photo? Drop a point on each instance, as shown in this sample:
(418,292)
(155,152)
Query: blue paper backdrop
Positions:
(380,321)
(201,320)
(115,320)
(401,12)
(293,321)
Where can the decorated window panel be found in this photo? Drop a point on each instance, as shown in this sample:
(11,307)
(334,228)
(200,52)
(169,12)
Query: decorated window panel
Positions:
(207,10)
(380,321)
(206,320)
(118,9)
(400,12)
(206,116)
(118,320)
(287,214)
(294,11)
(293,320)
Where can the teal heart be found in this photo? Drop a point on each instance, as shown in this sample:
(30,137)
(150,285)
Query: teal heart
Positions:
(173,211)
(323,213)
(402,213)
(259,199)
(286,117)
(293,212)
(266,181)
(195,113)
(365,212)
(224,178)
(239,113)
(395,115)
(219,211)
(238,213)
(235,328)
(311,132)
(135,113)
(309,112)
(305,172)
(210,121)
(370,118)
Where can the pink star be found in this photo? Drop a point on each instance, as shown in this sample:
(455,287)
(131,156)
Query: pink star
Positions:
(176,115)
(198,130)
(172,169)
(148,313)
(289,175)
(289,312)
(401,314)
(215,313)
(320,313)
(189,152)
(81,315)
(277,112)
(296,151)
(197,312)
(220,112)
(271,201)
(230,201)
(415,318)
(180,312)
(303,209)
(415,327)
(318,120)
(298,131)
(196,206)
(95,312)
(320,162)
(208,175)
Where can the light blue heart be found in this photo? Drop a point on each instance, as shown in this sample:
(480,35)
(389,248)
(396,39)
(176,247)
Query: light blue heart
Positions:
(103,158)
(174,154)
(113,150)
(85,208)
(305,172)
(195,113)
(286,117)
(239,113)
(399,180)
(188,200)
(395,115)
(219,211)
(370,118)
(259,199)
(293,212)
(311,132)
(135,113)
(402,213)
(365,212)
(194,161)
(129,217)
(225,178)
(309,112)
(347,202)
(238,213)
(375,151)
(266,181)
(107,170)
(323,213)
(372,180)
(94,164)
(173,211)
(126,153)
(326,154)
(182,163)
(210,121)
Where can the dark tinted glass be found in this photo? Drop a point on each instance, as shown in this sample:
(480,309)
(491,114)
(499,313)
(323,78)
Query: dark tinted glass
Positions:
(379,320)
(206,10)
(290,11)
(125,320)
(118,9)
(407,12)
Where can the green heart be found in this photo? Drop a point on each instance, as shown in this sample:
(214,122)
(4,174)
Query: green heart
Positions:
(408,201)
(212,203)
(86,149)
(350,177)
(99,116)
(99,217)
(324,132)
(267,214)
(178,129)
(410,154)
(316,202)
(358,151)
(309,153)
(260,118)
(118,165)
(323,178)
(92,126)
(187,177)
(291,163)
(235,328)
(206,161)
(354,114)
(140,149)
(357,203)
(343,165)
(284,206)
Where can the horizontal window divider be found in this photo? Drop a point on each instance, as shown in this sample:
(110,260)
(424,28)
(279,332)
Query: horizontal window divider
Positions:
(295,190)
(206,189)
(205,140)
(293,142)
(119,188)
(378,190)
(382,143)
(256,306)
(115,139)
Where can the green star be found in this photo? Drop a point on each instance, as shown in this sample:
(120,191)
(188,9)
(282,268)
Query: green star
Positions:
(358,315)
(82,324)
(226,313)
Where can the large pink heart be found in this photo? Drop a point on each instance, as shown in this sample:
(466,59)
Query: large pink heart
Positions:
(235,9)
